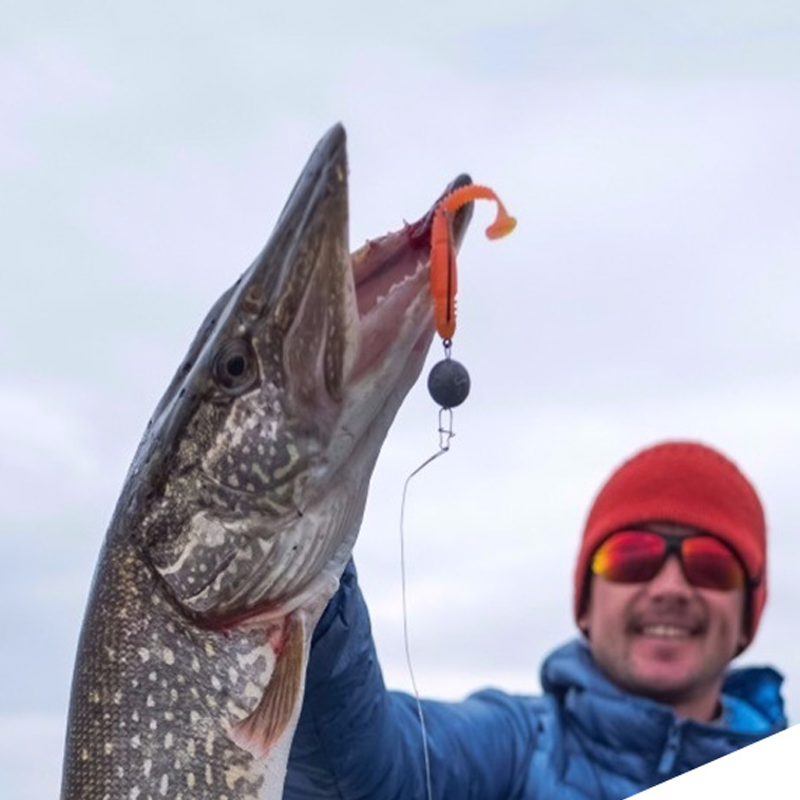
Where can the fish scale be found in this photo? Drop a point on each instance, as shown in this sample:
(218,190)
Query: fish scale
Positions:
(152,694)
(241,509)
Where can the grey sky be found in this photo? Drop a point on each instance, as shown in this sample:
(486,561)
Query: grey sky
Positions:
(650,291)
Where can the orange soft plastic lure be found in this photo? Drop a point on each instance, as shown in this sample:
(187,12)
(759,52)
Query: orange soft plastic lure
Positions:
(444,279)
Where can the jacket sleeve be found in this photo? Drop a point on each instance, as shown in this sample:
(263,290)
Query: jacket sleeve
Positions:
(355,739)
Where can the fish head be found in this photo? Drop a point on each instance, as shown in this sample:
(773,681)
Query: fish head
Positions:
(252,477)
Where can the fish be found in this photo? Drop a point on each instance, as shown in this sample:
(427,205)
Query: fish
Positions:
(242,505)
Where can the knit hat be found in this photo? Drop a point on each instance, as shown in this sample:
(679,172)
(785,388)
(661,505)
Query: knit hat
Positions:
(684,483)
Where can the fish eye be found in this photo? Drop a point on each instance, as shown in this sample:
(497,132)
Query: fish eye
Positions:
(235,368)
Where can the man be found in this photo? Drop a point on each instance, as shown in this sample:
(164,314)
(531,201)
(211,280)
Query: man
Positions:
(670,585)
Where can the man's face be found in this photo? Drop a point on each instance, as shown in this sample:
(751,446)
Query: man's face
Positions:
(665,638)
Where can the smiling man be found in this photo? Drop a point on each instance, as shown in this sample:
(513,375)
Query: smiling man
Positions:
(662,625)
(670,584)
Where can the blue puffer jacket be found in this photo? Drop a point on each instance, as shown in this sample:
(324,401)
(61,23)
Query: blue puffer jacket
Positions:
(584,738)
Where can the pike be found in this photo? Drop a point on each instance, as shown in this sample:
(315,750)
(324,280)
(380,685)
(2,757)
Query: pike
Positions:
(242,506)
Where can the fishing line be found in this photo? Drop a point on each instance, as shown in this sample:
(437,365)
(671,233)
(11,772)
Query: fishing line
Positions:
(448,380)
(445,435)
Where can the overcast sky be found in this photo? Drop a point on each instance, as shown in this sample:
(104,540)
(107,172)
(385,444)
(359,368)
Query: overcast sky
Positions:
(650,291)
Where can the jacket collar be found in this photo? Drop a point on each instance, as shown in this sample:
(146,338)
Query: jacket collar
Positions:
(645,740)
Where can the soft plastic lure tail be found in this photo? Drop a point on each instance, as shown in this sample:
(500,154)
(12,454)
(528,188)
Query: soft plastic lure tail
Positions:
(444,279)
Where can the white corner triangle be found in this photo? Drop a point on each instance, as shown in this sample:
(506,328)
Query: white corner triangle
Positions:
(767,769)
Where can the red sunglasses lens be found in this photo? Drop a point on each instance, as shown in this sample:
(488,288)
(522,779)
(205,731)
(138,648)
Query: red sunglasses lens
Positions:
(629,557)
(637,556)
(709,564)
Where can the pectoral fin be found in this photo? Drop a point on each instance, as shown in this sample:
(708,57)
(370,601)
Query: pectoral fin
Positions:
(259,732)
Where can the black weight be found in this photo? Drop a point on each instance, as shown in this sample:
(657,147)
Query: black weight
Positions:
(448,383)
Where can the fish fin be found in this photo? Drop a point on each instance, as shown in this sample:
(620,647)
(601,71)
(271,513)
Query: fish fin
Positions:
(259,732)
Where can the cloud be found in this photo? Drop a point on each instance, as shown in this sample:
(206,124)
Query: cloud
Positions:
(45,450)
(42,79)
(23,740)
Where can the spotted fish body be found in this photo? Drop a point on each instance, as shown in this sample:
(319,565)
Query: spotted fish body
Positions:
(242,506)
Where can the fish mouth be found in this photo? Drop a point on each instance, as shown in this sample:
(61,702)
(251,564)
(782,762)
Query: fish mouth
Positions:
(389,273)
(339,316)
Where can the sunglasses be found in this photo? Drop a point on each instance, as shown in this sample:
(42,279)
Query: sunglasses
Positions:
(638,556)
